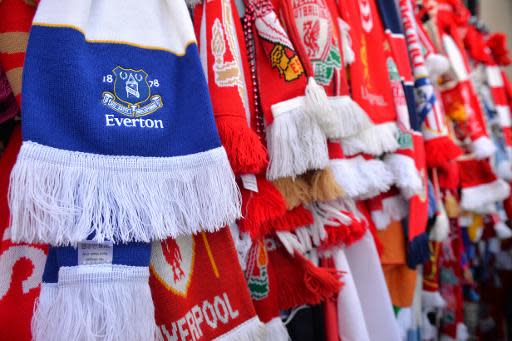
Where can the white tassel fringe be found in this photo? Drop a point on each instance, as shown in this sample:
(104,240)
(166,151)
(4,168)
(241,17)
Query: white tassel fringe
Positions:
(504,170)
(98,302)
(502,230)
(441,228)
(251,330)
(406,175)
(376,140)
(361,178)
(295,141)
(432,299)
(62,197)
(377,175)
(394,208)
(437,65)
(476,197)
(482,147)
(276,330)
(350,117)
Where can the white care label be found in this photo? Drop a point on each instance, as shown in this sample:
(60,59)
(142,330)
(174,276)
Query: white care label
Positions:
(249,182)
(94,253)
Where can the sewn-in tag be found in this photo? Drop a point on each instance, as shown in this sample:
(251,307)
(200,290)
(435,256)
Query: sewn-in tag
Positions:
(249,182)
(90,252)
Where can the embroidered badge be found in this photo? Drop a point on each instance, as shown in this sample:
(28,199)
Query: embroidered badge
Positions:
(132,93)
(282,55)
(314,25)
(172,263)
(257,279)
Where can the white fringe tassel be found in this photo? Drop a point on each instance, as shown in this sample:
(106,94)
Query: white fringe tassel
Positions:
(476,197)
(441,228)
(437,65)
(394,208)
(350,116)
(251,330)
(432,299)
(62,197)
(406,175)
(376,140)
(276,330)
(361,178)
(96,302)
(295,141)
(482,148)
(338,116)
(502,230)
(504,170)
(377,176)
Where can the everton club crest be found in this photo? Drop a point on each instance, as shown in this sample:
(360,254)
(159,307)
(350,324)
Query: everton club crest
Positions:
(132,94)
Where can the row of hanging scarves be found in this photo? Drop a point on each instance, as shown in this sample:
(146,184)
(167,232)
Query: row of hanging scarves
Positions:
(354,129)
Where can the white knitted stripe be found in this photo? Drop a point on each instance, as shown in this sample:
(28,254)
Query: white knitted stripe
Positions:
(61,197)
(96,302)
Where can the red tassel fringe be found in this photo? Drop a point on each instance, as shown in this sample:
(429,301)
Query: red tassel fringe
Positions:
(344,234)
(441,150)
(260,208)
(300,282)
(246,153)
(292,219)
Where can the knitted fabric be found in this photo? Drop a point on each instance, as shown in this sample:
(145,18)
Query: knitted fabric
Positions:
(14,32)
(199,290)
(224,58)
(21,264)
(295,142)
(369,81)
(114,150)
(96,291)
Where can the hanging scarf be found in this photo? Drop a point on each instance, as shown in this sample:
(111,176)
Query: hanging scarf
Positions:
(295,142)
(199,291)
(261,280)
(96,291)
(116,151)
(225,62)
(313,29)
(369,80)
(439,146)
(22,264)
(461,95)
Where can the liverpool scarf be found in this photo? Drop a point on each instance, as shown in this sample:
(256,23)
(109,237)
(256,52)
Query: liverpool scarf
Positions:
(199,290)
(369,80)
(115,151)
(315,32)
(295,141)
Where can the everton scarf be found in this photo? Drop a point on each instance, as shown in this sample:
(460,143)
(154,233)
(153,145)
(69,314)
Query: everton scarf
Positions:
(96,291)
(121,135)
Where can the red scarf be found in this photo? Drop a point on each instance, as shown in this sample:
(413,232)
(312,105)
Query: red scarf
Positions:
(199,290)
(224,58)
(369,80)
